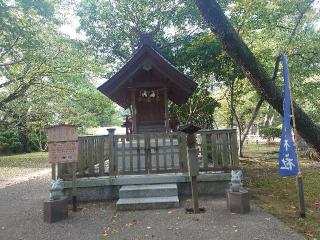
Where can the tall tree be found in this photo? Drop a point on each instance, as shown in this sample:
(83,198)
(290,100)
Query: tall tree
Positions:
(253,69)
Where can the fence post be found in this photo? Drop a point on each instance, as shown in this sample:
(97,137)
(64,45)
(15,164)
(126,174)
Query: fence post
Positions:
(183,152)
(100,148)
(112,168)
(147,153)
(234,147)
(54,170)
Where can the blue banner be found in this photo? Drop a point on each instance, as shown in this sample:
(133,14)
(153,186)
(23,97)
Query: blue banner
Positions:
(288,163)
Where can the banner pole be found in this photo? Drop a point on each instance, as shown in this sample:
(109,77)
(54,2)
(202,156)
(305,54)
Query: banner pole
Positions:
(299,180)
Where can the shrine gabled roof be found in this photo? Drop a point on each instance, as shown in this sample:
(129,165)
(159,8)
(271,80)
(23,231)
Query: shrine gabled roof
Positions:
(117,88)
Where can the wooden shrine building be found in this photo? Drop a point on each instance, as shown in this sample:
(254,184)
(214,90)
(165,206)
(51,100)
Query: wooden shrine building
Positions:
(145,84)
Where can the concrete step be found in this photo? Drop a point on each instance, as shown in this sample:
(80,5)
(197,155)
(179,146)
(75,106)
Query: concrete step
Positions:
(141,191)
(147,203)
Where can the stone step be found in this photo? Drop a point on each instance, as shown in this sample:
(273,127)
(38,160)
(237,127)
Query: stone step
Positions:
(141,191)
(147,203)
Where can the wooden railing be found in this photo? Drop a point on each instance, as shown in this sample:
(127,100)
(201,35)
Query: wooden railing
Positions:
(149,153)
(152,153)
(218,149)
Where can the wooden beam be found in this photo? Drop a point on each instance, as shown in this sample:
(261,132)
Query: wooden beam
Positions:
(134,110)
(166,111)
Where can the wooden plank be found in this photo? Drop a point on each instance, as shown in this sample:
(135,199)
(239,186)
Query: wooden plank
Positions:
(123,152)
(82,164)
(101,155)
(164,152)
(134,110)
(171,150)
(183,153)
(147,153)
(214,152)
(138,153)
(234,149)
(91,155)
(204,149)
(116,154)
(225,154)
(157,153)
(53,171)
(131,153)
(166,111)
(112,165)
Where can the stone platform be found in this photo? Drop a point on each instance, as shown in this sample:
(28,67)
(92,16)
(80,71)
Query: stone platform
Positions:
(107,187)
(156,196)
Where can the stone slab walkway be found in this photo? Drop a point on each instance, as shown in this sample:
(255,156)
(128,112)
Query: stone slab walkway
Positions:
(21,218)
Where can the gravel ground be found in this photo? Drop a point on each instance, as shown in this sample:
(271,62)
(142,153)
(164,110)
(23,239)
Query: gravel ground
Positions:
(21,218)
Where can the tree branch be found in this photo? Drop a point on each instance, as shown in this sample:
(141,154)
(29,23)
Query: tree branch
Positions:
(253,69)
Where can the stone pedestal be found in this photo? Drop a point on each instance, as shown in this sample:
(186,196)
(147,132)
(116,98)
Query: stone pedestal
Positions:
(55,210)
(238,202)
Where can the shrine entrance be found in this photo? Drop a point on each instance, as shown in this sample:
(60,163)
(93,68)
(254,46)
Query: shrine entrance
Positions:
(144,85)
(150,106)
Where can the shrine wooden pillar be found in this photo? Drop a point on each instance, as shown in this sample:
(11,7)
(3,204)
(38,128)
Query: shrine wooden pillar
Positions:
(134,110)
(166,111)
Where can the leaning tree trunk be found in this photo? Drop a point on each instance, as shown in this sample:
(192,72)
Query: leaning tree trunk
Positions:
(253,70)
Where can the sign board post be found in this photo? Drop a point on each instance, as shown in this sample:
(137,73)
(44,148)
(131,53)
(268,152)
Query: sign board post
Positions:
(193,164)
(63,149)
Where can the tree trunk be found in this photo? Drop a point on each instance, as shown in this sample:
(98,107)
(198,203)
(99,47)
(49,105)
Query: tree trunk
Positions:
(247,129)
(24,138)
(253,70)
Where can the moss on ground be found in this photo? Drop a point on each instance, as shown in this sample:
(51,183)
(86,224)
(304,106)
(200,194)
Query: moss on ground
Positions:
(278,195)
(21,164)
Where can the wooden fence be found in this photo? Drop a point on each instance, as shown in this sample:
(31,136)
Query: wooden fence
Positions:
(151,153)
(218,149)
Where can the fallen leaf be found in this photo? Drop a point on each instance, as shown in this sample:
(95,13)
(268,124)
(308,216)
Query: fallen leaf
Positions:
(129,225)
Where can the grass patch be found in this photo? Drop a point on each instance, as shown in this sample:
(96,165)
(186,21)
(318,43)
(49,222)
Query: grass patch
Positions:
(21,164)
(278,195)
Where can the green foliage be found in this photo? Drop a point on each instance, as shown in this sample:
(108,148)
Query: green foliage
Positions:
(198,110)
(47,78)
(16,147)
(113,27)
(9,142)
(270,132)
(4,147)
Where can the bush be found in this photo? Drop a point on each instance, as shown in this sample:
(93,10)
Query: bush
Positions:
(3,139)
(4,147)
(16,147)
(270,133)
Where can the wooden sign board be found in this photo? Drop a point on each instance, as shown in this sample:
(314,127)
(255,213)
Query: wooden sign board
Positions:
(63,144)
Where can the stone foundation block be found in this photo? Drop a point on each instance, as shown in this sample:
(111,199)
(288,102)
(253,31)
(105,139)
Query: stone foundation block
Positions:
(55,210)
(238,202)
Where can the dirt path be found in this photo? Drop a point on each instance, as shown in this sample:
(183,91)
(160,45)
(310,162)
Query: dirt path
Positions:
(26,177)
(21,218)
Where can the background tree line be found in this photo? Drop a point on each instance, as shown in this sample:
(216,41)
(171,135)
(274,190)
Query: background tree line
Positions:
(46,77)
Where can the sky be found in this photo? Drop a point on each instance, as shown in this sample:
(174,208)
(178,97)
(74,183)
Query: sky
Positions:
(72,23)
